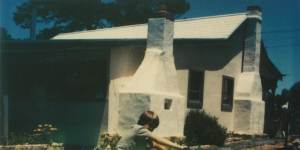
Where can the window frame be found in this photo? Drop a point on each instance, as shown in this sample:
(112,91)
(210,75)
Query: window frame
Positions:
(227,105)
(195,103)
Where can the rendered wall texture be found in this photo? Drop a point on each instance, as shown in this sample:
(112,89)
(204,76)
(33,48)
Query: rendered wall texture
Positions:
(154,86)
(227,62)
(216,59)
(250,117)
(213,91)
(249,106)
(212,84)
(123,63)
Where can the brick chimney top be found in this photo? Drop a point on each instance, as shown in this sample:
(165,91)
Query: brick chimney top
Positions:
(254,8)
(163,12)
(254,11)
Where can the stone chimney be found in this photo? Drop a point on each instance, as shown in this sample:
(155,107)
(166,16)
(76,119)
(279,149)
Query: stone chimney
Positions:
(253,40)
(154,86)
(249,107)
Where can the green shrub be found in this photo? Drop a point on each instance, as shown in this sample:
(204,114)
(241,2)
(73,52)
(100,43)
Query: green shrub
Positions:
(203,129)
(21,138)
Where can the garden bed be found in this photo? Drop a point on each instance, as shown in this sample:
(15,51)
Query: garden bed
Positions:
(31,147)
(250,144)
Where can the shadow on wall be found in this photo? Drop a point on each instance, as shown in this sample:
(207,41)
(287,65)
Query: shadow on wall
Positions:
(125,60)
(209,55)
(200,55)
(69,95)
(79,123)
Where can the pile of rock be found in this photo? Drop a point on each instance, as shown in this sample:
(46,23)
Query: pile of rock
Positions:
(294,144)
(208,147)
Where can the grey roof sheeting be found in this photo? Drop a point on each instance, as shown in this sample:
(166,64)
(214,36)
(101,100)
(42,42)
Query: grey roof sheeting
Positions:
(212,27)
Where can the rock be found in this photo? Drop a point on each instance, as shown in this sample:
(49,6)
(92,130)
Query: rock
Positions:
(296,141)
(208,147)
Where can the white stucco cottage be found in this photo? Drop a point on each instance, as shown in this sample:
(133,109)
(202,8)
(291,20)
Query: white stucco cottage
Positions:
(215,63)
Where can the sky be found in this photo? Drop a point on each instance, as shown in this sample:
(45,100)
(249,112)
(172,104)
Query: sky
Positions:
(280,27)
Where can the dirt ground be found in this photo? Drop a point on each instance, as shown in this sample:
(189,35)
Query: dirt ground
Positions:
(277,146)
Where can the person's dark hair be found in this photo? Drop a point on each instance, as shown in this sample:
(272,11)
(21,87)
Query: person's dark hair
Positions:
(150,118)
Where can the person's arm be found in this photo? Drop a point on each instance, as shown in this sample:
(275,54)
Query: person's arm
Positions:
(165,142)
(159,146)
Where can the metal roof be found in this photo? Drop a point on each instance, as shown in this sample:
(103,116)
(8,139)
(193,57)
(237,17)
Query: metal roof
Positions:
(211,27)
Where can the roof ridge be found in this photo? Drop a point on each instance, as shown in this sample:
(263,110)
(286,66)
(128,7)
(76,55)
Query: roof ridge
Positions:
(74,32)
(135,25)
(208,17)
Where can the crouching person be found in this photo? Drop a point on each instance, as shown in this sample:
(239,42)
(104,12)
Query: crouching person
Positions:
(140,137)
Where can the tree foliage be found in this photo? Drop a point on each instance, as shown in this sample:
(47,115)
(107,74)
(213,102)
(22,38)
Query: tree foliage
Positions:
(286,111)
(74,15)
(138,11)
(281,99)
(4,35)
(294,93)
(294,108)
(290,97)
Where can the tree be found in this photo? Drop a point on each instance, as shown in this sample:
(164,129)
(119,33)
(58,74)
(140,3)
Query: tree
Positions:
(4,35)
(75,15)
(282,99)
(293,108)
(63,15)
(138,11)
(294,95)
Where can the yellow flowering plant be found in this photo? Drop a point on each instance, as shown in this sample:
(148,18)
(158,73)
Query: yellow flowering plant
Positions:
(109,141)
(44,133)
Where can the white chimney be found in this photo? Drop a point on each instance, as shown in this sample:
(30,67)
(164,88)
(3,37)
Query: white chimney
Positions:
(154,86)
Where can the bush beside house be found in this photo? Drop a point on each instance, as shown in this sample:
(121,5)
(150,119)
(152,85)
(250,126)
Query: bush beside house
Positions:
(203,129)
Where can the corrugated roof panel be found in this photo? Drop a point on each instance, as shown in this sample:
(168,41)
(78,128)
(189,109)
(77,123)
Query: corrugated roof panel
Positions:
(213,27)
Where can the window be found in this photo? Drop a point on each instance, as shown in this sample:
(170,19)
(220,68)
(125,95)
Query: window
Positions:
(195,89)
(227,93)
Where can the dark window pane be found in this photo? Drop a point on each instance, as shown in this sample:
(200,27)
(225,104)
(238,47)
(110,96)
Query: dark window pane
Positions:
(195,89)
(227,93)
